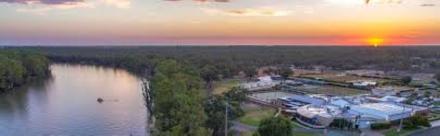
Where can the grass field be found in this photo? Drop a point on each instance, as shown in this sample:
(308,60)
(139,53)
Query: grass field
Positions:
(253,115)
(343,78)
(225,85)
(331,90)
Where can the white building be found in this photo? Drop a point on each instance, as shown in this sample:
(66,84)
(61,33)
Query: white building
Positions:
(264,82)
(363,83)
(381,111)
(316,116)
(392,99)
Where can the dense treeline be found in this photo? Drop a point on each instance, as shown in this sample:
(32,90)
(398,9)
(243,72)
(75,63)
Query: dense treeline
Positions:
(17,68)
(229,60)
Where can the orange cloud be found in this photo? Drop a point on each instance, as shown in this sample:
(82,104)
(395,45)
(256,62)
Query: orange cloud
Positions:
(248,12)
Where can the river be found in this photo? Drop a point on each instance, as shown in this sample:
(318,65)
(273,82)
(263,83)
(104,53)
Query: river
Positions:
(66,104)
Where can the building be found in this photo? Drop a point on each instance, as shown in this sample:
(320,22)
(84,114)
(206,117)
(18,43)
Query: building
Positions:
(381,111)
(305,100)
(264,82)
(392,99)
(315,116)
(363,83)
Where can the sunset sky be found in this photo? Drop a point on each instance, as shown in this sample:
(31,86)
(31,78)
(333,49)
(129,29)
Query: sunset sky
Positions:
(219,22)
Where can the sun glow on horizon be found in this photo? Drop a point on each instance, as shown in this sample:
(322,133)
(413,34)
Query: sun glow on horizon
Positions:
(375,41)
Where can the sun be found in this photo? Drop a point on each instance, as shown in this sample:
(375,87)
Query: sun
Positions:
(376,42)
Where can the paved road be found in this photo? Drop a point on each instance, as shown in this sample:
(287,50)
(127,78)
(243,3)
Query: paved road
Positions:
(434,131)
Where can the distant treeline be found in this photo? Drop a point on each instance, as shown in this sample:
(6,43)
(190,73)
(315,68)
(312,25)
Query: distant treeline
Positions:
(18,67)
(229,60)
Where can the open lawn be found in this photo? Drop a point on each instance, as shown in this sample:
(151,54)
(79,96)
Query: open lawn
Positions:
(253,115)
(330,90)
(344,78)
(225,85)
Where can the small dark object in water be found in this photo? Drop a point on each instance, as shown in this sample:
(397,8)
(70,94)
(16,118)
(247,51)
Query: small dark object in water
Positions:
(100,100)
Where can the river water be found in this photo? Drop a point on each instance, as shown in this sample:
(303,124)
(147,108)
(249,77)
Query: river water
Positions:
(66,104)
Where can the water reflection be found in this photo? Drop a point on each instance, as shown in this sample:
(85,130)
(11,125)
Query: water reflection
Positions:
(66,104)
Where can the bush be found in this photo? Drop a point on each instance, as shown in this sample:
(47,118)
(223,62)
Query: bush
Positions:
(275,126)
(416,121)
(379,126)
(341,123)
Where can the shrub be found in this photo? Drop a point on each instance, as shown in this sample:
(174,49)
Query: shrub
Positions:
(379,126)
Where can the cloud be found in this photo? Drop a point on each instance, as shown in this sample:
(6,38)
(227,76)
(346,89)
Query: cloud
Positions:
(248,12)
(428,5)
(203,0)
(48,2)
(41,7)
(123,4)
(72,3)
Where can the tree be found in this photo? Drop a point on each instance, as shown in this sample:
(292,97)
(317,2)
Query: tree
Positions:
(285,72)
(416,121)
(406,80)
(215,110)
(250,72)
(437,77)
(209,73)
(177,100)
(17,68)
(275,126)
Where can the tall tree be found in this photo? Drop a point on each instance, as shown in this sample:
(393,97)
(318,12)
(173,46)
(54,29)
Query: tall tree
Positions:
(437,77)
(215,110)
(177,101)
(209,73)
(406,80)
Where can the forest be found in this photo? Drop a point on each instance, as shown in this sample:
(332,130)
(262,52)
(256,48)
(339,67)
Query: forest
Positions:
(227,61)
(180,76)
(19,67)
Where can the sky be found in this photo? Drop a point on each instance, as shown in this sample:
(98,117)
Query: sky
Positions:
(219,22)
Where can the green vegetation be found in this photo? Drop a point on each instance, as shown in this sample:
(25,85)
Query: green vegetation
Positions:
(253,116)
(406,80)
(416,121)
(215,109)
(275,126)
(403,132)
(183,76)
(285,72)
(177,101)
(223,86)
(17,68)
(342,124)
(331,90)
(379,126)
(409,125)
(227,61)
(437,77)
